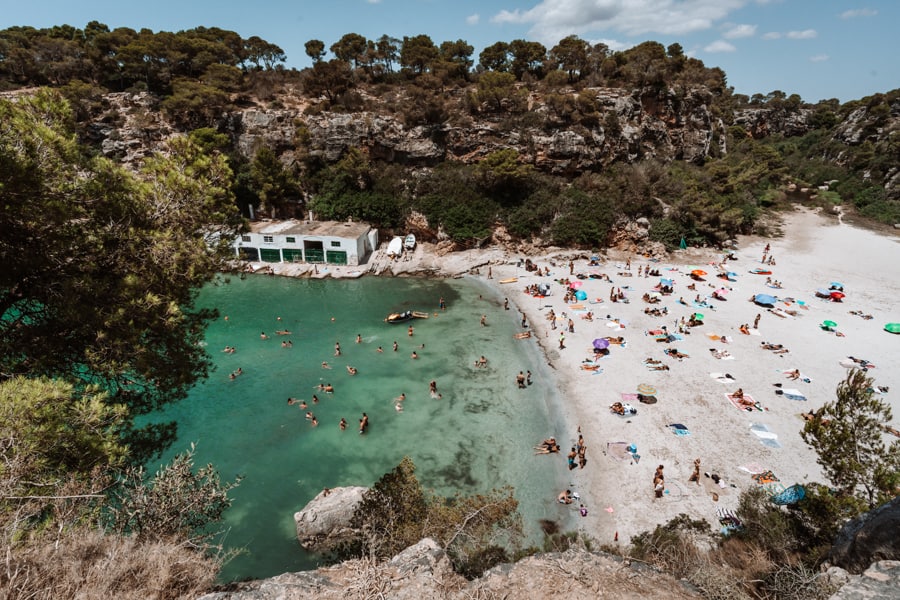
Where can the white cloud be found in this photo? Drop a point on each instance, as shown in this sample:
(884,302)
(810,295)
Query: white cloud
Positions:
(806,34)
(859,12)
(473,19)
(772,35)
(552,20)
(719,46)
(374,1)
(819,58)
(740,31)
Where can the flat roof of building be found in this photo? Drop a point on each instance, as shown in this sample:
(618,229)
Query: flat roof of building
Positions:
(340,229)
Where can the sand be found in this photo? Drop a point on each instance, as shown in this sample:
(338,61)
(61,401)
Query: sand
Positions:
(813,252)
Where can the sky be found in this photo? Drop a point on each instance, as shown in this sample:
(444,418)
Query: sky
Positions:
(819,49)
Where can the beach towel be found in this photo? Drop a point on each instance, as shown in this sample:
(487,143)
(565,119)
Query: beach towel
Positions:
(755,332)
(725,378)
(765,477)
(766,437)
(615,325)
(722,355)
(752,468)
(791,394)
(734,401)
(679,429)
(629,398)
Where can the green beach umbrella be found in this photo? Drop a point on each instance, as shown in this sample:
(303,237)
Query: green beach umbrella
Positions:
(683,244)
(698,316)
(892,327)
(829,324)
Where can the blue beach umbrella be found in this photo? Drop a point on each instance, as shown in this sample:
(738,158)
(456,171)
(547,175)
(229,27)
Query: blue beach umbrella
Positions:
(666,282)
(765,300)
(601,344)
(836,285)
(581,295)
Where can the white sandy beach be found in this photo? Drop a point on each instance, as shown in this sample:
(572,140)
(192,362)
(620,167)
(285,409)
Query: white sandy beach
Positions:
(812,253)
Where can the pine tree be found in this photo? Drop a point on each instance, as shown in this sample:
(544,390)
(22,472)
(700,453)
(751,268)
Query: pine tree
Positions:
(848,435)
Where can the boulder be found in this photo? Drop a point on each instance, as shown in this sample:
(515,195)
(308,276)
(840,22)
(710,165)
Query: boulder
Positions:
(881,581)
(325,520)
(869,538)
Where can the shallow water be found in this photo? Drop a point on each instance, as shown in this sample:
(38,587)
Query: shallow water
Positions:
(477,436)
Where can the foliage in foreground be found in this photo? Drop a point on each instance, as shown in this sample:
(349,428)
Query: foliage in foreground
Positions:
(848,436)
(76,522)
(396,513)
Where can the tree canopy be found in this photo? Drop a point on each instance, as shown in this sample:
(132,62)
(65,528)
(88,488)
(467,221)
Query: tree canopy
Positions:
(102,265)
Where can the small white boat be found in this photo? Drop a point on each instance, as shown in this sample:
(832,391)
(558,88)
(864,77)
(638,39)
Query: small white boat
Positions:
(410,242)
(395,248)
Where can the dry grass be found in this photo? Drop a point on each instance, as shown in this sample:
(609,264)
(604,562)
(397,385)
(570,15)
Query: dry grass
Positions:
(89,565)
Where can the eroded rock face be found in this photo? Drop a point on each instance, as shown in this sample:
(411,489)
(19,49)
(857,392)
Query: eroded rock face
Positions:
(881,581)
(871,537)
(423,572)
(325,520)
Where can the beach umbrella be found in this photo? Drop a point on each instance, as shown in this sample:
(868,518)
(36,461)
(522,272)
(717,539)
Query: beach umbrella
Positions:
(698,316)
(666,282)
(646,389)
(698,272)
(731,274)
(683,244)
(828,324)
(836,285)
(581,295)
(837,295)
(892,327)
(601,344)
(575,284)
(765,299)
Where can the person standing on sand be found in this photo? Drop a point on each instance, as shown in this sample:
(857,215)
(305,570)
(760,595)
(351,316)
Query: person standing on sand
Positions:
(571,326)
(571,268)
(490,274)
(562,341)
(695,476)
(570,458)
(756,321)
(528,378)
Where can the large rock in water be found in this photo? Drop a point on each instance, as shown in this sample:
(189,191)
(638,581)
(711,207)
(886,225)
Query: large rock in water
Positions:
(325,520)
(872,537)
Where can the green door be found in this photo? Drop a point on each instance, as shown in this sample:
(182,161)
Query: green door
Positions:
(315,255)
(292,255)
(270,254)
(336,257)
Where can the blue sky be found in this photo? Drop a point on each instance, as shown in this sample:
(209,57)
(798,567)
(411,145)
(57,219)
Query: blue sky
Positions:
(819,49)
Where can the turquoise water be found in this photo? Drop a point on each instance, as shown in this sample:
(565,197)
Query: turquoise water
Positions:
(477,436)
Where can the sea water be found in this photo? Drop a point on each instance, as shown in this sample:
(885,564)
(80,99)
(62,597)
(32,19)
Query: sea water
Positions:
(476,436)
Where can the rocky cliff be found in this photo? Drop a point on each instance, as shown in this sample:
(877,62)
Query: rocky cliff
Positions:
(423,571)
(621,126)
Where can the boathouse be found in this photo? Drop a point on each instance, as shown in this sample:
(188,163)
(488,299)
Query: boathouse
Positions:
(329,242)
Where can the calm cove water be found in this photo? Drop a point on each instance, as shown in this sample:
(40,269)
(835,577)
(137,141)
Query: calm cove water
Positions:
(477,436)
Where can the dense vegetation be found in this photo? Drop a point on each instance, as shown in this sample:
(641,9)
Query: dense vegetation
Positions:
(199,74)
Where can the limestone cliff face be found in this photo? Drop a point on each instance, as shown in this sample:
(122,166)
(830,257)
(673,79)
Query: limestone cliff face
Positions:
(628,126)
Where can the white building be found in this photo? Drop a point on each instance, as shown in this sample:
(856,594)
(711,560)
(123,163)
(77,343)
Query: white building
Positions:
(319,242)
